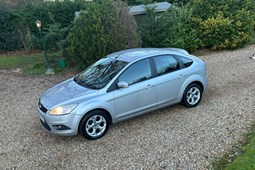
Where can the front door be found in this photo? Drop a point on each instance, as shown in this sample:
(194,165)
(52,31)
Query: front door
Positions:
(140,95)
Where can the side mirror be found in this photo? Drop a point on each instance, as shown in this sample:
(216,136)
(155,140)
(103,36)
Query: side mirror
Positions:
(122,84)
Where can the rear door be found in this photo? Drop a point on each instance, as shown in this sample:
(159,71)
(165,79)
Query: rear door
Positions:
(169,78)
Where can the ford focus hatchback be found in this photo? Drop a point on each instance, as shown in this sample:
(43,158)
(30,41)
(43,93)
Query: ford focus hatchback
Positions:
(120,86)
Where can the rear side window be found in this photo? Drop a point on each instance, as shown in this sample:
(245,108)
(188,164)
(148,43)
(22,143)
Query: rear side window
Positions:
(186,61)
(166,64)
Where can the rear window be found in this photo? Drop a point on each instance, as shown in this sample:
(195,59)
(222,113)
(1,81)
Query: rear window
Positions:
(186,61)
(166,64)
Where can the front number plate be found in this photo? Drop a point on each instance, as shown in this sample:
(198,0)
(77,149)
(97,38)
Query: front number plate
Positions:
(42,119)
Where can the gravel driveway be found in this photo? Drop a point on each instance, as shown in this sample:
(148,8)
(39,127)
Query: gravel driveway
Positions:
(171,138)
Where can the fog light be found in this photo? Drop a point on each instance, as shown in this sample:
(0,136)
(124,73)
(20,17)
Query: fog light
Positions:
(61,127)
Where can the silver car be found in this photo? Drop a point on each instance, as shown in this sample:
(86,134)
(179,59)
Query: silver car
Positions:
(120,86)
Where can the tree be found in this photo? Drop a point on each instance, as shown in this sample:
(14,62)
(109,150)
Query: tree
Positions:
(171,29)
(87,39)
(104,27)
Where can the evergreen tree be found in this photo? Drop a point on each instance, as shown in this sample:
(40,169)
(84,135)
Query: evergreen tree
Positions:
(87,39)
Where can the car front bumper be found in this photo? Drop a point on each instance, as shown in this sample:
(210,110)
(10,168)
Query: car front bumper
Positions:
(63,125)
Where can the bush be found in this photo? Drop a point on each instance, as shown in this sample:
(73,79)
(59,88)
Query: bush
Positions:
(54,36)
(179,31)
(86,38)
(151,30)
(49,12)
(96,32)
(137,2)
(172,29)
(9,36)
(224,23)
(56,17)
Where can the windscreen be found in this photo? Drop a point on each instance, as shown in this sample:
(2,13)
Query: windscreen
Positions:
(100,73)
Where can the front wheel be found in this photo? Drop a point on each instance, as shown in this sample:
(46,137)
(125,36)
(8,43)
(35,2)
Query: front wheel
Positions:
(94,125)
(192,95)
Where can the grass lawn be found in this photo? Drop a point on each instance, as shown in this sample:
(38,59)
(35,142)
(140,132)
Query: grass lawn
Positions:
(244,161)
(31,64)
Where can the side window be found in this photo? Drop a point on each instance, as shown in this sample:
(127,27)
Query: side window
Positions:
(137,72)
(186,61)
(166,64)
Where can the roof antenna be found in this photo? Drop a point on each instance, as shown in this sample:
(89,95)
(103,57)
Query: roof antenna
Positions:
(121,52)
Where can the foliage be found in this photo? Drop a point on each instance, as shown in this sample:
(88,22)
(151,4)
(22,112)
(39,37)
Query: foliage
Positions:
(56,17)
(224,23)
(128,25)
(9,34)
(17,4)
(138,2)
(54,36)
(50,12)
(176,25)
(87,39)
(96,32)
(179,33)
(150,30)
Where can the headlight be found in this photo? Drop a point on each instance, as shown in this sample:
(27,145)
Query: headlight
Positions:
(62,110)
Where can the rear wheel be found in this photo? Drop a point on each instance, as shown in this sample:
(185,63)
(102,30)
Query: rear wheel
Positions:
(94,125)
(192,95)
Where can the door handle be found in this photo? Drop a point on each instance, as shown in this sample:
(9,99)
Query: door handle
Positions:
(181,76)
(149,86)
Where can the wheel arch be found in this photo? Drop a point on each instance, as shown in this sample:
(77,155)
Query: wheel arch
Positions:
(101,109)
(192,79)
(199,84)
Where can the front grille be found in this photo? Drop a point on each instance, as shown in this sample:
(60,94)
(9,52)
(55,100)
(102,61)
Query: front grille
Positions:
(45,125)
(41,107)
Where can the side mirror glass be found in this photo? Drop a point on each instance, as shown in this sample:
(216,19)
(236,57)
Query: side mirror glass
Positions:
(122,84)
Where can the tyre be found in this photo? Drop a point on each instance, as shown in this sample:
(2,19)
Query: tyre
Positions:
(94,124)
(192,95)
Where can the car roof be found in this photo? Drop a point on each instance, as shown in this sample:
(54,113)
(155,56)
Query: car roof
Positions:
(139,53)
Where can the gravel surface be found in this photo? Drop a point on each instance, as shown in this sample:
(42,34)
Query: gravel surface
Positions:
(171,138)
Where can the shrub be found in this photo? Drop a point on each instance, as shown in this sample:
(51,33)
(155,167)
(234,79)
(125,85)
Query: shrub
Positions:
(49,12)
(172,29)
(224,23)
(151,30)
(9,35)
(56,17)
(86,38)
(179,31)
(99,31)
(128,25)
(54,36)
(137,2)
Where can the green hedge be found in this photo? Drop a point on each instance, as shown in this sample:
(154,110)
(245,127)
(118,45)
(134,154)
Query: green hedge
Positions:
(9,40)
(49,13)
(171,29)
(224,23)
(18,29)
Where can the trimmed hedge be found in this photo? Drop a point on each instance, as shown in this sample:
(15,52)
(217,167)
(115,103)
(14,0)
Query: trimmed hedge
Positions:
(9,40)
(224,23)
